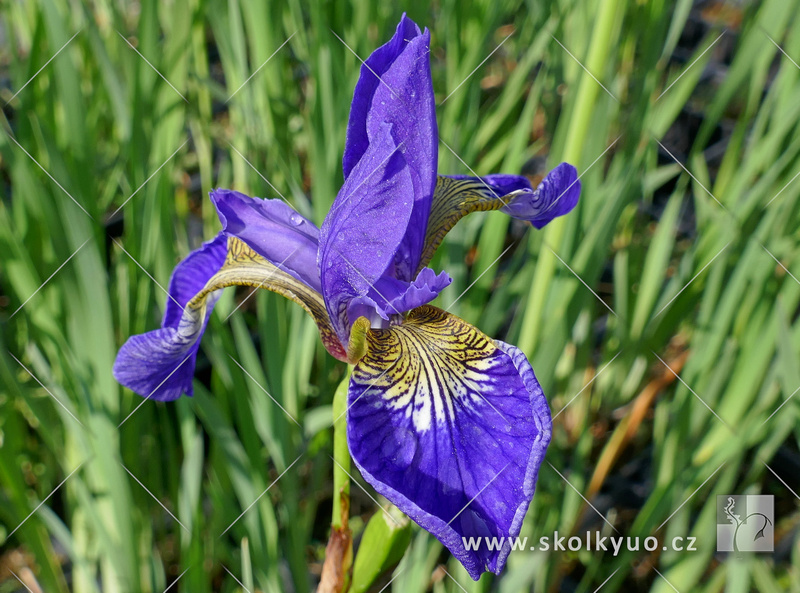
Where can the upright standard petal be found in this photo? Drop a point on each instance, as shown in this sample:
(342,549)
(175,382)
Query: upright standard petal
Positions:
(160,364)
(272,229)
(452,428)
(361,234)
(395,88)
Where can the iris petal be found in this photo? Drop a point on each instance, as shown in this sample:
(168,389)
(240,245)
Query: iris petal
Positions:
(395,89)
(556,195)
(459,195)
(452,428)
(160,364)
(389,296)
(245,267)
(375,82)
(361,234)
(274,230)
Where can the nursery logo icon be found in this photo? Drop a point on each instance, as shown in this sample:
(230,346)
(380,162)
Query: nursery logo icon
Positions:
(745,523)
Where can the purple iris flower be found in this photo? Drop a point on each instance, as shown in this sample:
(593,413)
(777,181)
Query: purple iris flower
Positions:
(447,423)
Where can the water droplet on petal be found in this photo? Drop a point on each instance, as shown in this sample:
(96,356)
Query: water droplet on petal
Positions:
(296,219)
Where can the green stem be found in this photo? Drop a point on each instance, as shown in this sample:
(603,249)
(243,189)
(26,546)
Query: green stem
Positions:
(596,60)
(341,454)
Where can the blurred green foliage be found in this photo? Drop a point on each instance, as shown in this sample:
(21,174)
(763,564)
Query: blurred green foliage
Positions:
(109,150)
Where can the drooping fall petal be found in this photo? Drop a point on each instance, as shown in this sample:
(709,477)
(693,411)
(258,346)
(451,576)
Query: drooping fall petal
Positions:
(451,427)
(459,195)
(160,364)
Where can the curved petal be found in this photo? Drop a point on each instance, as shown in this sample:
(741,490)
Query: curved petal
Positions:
(458,195)
(497,185)
(372,71)
(274,230)
(395,88)
(190,276)
(389,296)
(160,364)
(452,428)
(361,234)
(556,195)
(245,267)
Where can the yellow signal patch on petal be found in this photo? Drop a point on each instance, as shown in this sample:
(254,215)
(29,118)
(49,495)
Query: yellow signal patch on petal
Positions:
(429,365)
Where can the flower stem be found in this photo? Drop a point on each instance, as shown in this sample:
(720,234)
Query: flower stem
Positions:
(337,569)
(341,455)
